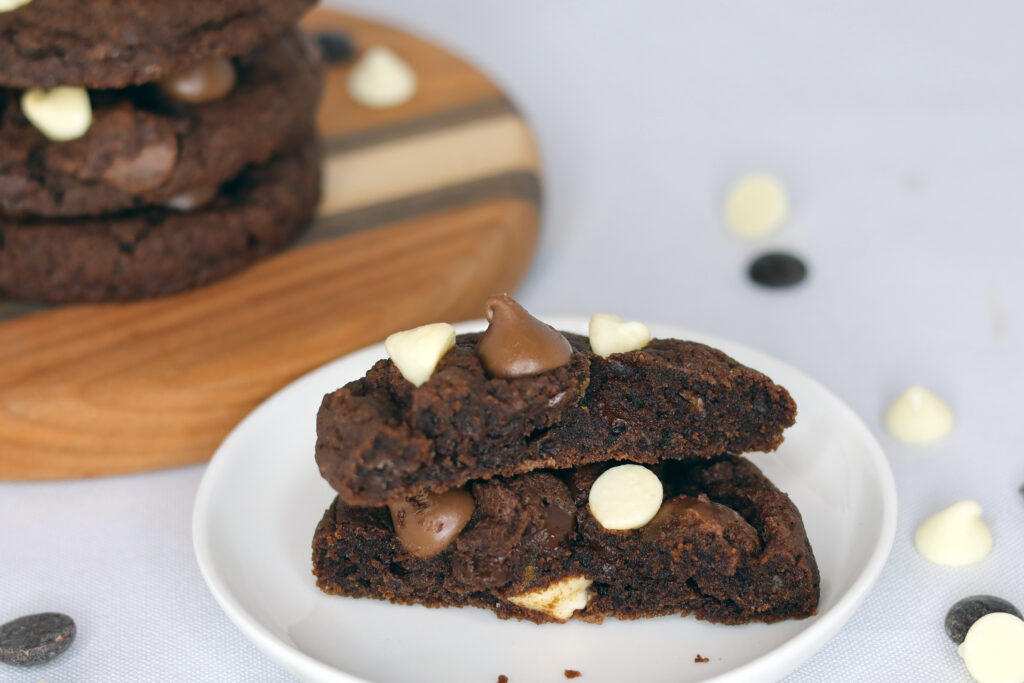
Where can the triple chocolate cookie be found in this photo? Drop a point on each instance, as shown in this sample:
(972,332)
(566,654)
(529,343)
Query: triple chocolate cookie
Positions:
(380,437)
(156,251)
(116,43)
(726,546)
(160,144)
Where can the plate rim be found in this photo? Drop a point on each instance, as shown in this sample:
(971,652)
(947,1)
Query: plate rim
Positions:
(784,658)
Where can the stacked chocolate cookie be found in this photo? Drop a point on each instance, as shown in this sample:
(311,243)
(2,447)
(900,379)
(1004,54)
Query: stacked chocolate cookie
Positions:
(547,475)
(150,147)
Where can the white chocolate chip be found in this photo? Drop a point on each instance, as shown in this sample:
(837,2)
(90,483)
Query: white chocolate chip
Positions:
(625,497)
(191,200)
(955,536)
(61,114)
(559,600)
(416,352)
(756,206)
(610,334)
(918,416)
(10,5)
(993,649)
(381,79)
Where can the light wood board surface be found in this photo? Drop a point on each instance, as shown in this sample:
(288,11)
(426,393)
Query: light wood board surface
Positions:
(428,208)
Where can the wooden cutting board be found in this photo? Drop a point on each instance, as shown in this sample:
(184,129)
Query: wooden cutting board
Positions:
(428,208)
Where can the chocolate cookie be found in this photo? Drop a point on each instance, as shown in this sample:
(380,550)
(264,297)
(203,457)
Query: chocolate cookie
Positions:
(381,437)
(152,252)
(116,43)
(726,545)
(147,147)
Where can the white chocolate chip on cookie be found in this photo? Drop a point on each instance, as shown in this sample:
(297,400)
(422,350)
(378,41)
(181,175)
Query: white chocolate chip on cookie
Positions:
(11,5)
(610,334)
(625,497)
(416,352)
(559,599)
(993,649)
(381,79)
(61,114)
(955,536)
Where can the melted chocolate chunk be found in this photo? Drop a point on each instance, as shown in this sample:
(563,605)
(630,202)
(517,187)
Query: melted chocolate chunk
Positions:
(518,345)
(427,524)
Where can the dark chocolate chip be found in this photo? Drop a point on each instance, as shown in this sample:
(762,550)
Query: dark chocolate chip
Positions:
(35,638)
(777,269)
(336,47)
(964,613)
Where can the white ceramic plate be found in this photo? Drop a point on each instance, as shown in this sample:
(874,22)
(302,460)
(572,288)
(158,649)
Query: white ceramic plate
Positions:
(262,496)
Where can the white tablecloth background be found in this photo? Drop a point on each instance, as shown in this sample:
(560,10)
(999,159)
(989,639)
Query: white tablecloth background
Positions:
(897,128)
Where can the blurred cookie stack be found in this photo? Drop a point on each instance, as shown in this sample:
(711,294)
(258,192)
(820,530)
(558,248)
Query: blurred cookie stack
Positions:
(148,147)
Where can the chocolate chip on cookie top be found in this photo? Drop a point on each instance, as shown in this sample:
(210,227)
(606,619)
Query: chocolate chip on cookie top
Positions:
(516,344)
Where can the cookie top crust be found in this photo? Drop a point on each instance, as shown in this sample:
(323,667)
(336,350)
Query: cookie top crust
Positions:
(117,43)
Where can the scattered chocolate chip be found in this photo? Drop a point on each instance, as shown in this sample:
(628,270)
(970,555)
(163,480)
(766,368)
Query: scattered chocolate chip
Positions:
(700,660)
(502,678)
(35,638)
(964,613)
(572,673)
(777,269)
(336,47)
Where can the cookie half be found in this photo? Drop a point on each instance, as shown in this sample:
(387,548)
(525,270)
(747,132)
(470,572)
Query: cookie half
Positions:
(153,252)
(115,43)
(380,437)
(146,148)
(726,546)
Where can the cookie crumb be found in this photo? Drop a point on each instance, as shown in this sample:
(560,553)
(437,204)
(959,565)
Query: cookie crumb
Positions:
(700,660)
(502,678)
(572,673)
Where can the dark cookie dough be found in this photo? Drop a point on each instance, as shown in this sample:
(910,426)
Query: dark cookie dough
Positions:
(727,546)
(144,148)
(152,252)
(116,43)
(35,638)
(380,438)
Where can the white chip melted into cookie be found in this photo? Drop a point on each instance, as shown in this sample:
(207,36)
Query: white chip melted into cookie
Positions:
(559,599)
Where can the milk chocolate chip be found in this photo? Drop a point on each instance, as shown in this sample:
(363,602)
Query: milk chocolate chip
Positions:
(518,345)
(145,170)
(210,79)
(427,524)
(712,514)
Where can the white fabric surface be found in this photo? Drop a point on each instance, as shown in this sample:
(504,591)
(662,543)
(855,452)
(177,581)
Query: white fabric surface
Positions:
(897,129)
